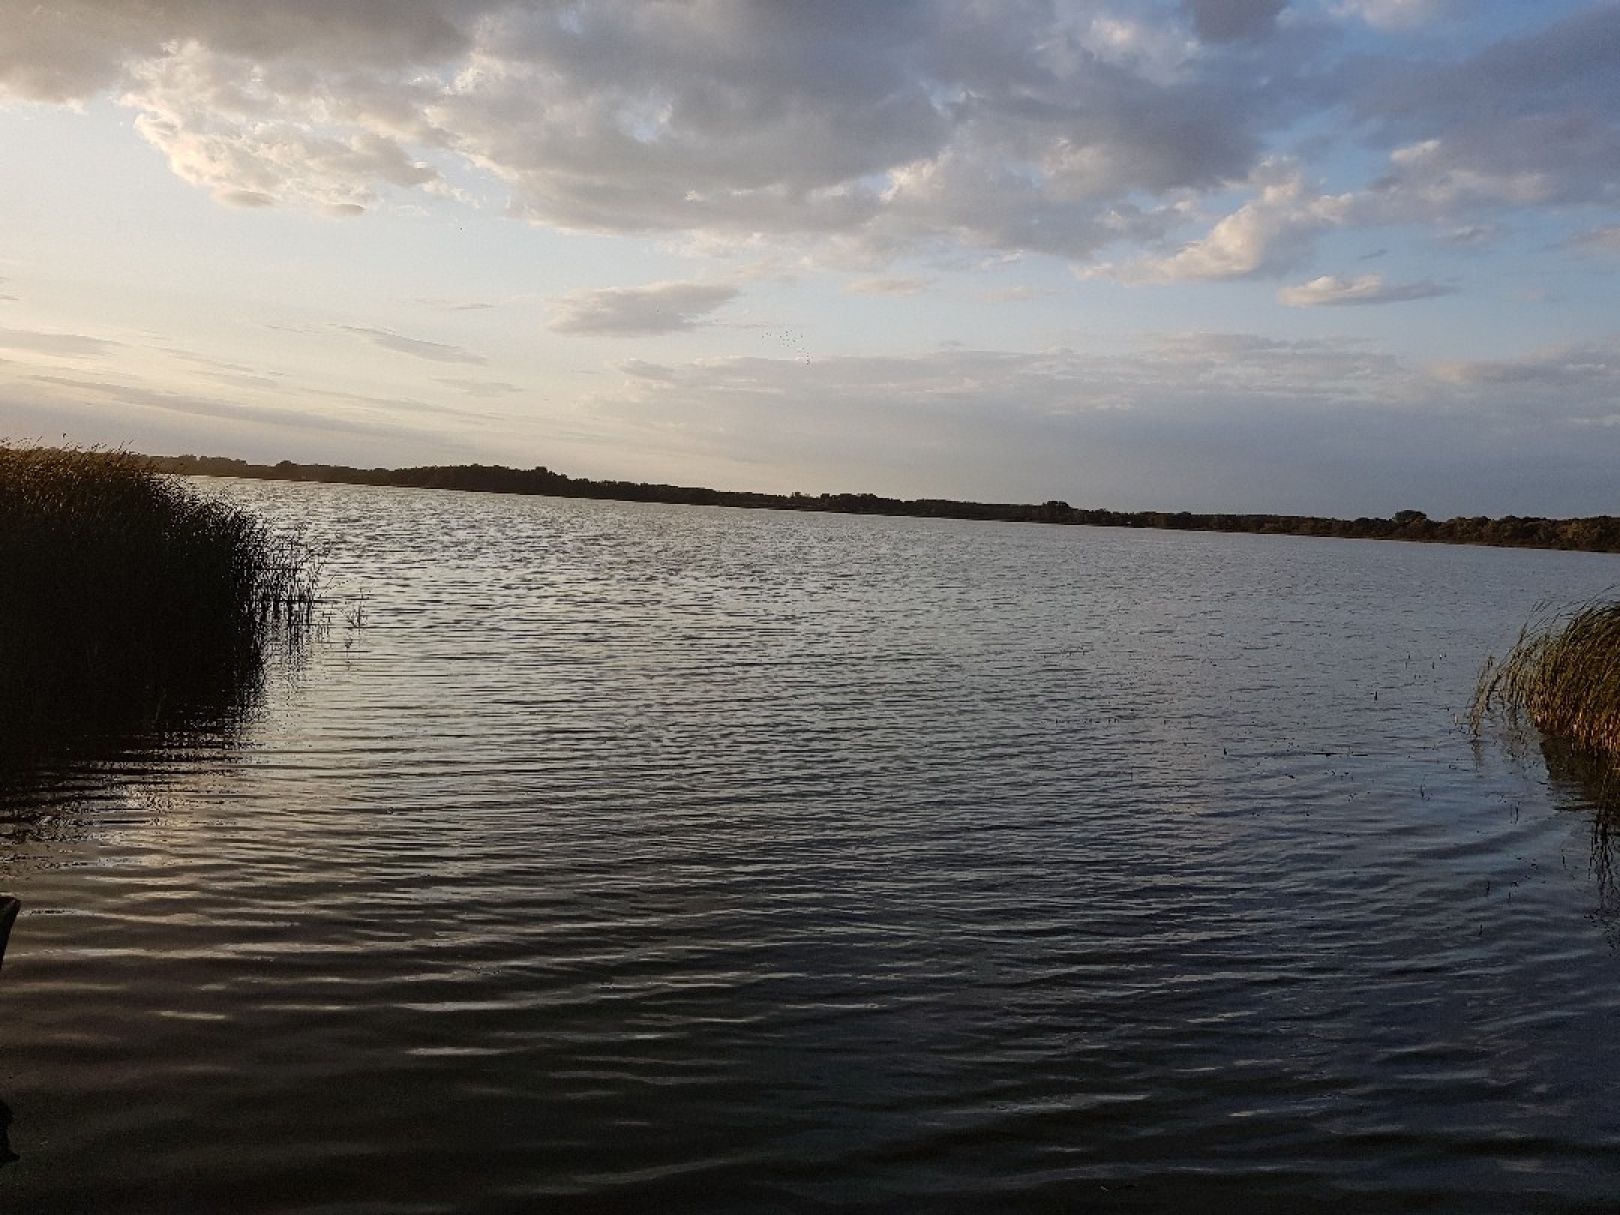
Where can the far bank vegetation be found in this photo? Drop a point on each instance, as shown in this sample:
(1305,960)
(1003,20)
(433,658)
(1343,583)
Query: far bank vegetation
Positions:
(1598,533)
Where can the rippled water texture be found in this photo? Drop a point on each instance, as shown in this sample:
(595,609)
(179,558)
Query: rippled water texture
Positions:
(655,858)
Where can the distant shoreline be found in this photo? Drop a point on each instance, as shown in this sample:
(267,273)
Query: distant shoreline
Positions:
(1597,533)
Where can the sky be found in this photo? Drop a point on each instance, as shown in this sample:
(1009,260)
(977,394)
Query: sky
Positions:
(1304,256)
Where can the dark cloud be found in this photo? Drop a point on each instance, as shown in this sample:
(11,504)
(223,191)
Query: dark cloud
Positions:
(1231,20)
(1530,121)
(70,49)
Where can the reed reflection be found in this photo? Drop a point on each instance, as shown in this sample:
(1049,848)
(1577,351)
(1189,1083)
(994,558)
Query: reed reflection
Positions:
(1590,783)
(7,1156)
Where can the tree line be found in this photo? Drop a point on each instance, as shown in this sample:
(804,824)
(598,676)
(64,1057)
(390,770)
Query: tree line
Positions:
(1598,533)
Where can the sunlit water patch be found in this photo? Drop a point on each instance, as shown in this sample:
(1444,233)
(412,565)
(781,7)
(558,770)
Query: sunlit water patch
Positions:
(641,857)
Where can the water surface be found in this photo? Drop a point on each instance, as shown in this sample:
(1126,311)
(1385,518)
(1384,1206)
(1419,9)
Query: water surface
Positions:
(649,857)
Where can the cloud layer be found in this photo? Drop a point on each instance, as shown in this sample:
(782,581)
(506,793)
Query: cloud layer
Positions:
(1053,126)
(1200,421)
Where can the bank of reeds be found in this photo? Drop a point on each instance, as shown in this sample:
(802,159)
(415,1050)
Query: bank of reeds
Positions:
(127,598)
(1564,676)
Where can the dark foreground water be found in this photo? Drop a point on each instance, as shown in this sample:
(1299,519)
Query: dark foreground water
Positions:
(648,858)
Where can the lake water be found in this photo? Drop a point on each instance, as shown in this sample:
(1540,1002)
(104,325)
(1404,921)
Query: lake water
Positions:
(653,858)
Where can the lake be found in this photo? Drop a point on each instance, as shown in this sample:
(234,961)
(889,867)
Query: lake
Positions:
(632,857)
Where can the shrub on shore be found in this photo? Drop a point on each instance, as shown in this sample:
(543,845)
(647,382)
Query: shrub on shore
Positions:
(126,598)
(1565,677)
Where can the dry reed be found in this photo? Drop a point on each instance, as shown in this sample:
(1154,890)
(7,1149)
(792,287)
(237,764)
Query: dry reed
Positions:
(1563,675)
(125,595)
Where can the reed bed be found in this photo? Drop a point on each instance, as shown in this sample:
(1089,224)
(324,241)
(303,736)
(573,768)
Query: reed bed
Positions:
(126,597)
(1563,675)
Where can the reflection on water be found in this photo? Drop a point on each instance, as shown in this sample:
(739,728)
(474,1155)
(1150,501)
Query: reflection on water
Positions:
(215,709)
(1589,785)
(657,858)
(7,1156)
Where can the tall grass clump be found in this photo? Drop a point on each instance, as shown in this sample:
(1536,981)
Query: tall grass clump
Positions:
(1564,676)
(126,598)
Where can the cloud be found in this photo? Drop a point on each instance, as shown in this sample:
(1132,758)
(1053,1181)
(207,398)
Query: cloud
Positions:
(256,138)
(1272,233)
(70,49)
(890,285)
(657,308)
(642,369)
(239,379)
(1018,295)
(1580,380)
(862,132)
(437,352)
(1231,20)
(1331,290)
(66,345)
(444,305)
(1528,122)
(1394,14)
(884,126)
(225,411)
(1472,236)
(1203,421)
(482,388)
(1604,239)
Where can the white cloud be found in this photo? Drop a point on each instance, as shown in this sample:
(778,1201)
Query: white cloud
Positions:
(1330,290)
(257,136)
(1272,233)
(640,311)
